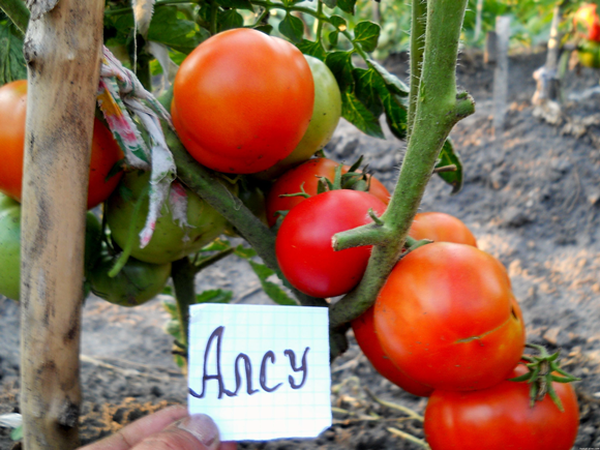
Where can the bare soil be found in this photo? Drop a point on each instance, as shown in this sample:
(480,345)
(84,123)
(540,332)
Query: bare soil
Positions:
(532,198)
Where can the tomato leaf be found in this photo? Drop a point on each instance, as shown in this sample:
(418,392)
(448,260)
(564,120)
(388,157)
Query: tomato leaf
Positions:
(448,156)
(230,19)
(236,4)
(292,28)
(333,37)
(214,296)
(396,114)
(175,32)
(367,35)
(340,64)
(392,82)
(274,291)
(245,252)
(267,29)
(360,116)
(330,3)
(312,49)
(12,62)
(339,23)
(368,86)
(347,5)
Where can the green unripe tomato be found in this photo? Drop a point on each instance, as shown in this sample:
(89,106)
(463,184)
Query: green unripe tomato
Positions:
(327,111)
(170,241)
(136,283)
(589,54)
(10,247)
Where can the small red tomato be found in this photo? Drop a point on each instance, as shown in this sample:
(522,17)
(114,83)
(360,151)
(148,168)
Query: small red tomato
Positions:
(306,176)
(445,317)
(303,245)
(501,417)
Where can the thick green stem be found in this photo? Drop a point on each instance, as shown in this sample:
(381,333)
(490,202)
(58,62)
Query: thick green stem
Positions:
(17,11)
(417,48)
(438,108)
(183,273)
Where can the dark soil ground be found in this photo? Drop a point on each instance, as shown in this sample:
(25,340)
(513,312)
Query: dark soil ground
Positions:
(532,198)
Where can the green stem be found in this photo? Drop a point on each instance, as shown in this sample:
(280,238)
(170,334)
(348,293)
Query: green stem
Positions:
(213,259)
(214,13)
(438,108)
(183,273)
(17,12)
(417,34)
(319,21)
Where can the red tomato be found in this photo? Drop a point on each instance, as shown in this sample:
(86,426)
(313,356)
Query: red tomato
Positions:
(309,174)
(586,22)
(242,100)
(445,317)
(367,339)
(500,418)
(439,226)
(105,150)
(303,245)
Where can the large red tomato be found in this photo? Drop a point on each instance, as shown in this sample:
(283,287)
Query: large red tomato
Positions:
(303,245)
(445,317)
(105,150)
(242,100)
(587,23)
(430,225)
(441,227)
(500,418)
(306,176)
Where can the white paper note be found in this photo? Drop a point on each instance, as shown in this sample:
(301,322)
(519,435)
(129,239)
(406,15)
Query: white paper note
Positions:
(284,349)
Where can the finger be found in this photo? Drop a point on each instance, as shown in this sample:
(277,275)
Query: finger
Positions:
(197,432)
(230,445)
(136,431)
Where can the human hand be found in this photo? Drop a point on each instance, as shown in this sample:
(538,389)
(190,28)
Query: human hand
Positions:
(167,429)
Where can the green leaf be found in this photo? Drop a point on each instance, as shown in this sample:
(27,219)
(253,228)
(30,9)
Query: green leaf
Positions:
(333,37)
(236,4)
(274,291)
(312,49)
(218,245)
(367,35)
(330,3)
(448,156)
(339,23)
(396,114)
(175,32)
(292,28)
(267,29)
(393,83)
(340,64)
(12,62)
(360,116)
(347,5)
(245,252)
(214,296)
(230,19)
(368,85)
(171,308)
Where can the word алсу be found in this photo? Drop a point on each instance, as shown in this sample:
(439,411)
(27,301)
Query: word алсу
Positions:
(268,356)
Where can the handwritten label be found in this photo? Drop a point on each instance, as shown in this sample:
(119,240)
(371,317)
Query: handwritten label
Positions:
(260,371)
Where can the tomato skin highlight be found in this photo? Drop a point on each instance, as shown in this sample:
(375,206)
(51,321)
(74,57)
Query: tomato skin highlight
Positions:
(104,155)
(303,244)
(242,100)
(443,227)
(445,318)
(306,176)
(587,23)
(500,418)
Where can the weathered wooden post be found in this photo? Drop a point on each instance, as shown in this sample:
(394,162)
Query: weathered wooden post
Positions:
(63,51)
(501,72)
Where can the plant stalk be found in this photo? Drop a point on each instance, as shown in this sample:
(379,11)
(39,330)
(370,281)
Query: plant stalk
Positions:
(438,108)
(183,273)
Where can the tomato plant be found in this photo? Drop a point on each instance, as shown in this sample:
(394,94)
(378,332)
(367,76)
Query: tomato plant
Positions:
(445,317)
(327,111)
(588,53)
(170,241)
(136,283)
(501,417)
(441,227)
(305,178)
(242,101)
(105,150)
(303,245)
(10,247)
(586,22)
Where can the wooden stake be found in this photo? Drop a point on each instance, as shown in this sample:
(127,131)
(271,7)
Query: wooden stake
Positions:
(501,72)
(62,49)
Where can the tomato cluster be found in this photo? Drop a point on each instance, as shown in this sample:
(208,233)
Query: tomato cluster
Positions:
(586,24)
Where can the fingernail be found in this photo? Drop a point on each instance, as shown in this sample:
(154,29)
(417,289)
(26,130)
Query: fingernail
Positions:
(202,428)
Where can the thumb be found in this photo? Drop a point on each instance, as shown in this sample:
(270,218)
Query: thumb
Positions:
(196,432)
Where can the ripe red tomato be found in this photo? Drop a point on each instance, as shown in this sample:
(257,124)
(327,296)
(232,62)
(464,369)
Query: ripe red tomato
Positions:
(500,418)
(309,174)
(586,22)
(441,227)
(303,245)
(368,341)
(445,317)
(105,150)
(242,100)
